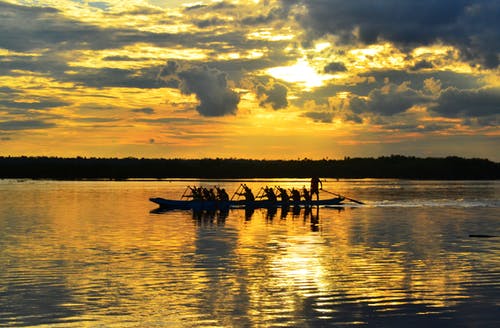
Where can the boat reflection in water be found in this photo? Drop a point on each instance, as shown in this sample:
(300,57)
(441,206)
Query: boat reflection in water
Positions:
(218,217)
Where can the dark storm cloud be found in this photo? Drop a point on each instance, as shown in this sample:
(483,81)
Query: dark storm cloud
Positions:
(274,95)
(453,102)
(335,67)
(470,25)
(25,125)
(211,88)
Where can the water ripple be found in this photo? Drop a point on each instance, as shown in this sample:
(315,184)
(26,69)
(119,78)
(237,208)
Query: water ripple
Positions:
(390,263)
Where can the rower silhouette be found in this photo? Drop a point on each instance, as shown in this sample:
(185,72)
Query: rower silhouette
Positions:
(247,193)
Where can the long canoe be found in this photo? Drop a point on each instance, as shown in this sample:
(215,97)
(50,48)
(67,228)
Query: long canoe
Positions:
(213,205)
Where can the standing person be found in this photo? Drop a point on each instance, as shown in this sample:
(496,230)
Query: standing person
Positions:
(315,183)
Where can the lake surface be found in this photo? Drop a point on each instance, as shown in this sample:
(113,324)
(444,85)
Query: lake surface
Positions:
(96,254)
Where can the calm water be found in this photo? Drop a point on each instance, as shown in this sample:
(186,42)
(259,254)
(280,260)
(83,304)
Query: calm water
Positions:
(94,254)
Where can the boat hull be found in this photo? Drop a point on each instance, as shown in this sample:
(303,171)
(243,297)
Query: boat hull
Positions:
(214,205)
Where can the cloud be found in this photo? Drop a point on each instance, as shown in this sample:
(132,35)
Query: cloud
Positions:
(210,87)
(96,120)
(145,110)
(49,28)
(335,67)
(175,121)
(419,127)
(453,102)
(170,68)
(391,99)
(323,117)
(41,26)
(39,104)
(146,78)
(25,125)
(416,79)
(471,26)
(274,95)
(49,40)
(422,64)
(208,22)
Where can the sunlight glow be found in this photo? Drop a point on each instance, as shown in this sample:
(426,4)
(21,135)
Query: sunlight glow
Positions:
(269,35)
(301,73)
(252,54)
(322,46)
(377,56)
(84,78)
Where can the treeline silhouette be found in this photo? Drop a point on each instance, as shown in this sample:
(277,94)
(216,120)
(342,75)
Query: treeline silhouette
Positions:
(394,166)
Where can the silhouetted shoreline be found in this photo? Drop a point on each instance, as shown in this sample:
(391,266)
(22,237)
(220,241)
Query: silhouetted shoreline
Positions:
(394,166)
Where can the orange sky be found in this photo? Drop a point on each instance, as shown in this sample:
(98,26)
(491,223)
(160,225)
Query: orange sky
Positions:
(249,79)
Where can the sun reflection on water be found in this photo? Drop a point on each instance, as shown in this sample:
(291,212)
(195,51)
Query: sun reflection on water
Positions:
(68,254)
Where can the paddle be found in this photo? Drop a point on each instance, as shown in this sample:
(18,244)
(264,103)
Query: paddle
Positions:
(184,193)
(352,200)
(258,194)
(236,191)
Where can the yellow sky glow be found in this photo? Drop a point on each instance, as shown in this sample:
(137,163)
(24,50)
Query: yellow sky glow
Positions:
(85,78)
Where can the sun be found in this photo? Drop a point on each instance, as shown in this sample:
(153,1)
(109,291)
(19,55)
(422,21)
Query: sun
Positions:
(301,73)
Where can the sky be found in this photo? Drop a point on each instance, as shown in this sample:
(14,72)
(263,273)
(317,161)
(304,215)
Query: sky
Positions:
(270,79)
